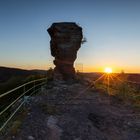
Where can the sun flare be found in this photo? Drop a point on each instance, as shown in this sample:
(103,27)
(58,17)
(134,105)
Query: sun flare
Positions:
(108,70)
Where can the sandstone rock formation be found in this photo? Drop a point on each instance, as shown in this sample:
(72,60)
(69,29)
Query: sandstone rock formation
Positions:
(66,38)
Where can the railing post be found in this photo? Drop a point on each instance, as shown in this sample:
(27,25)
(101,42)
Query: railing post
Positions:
(23,93)
(34,87)
(23,89)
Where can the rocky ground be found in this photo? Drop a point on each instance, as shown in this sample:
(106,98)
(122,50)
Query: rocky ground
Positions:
(75,112)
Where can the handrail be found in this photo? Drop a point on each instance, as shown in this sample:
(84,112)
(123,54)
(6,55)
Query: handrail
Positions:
(20,87)
(15,101)
(20,97)
(11,116)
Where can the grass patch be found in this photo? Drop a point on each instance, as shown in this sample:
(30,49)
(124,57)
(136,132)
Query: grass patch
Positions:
(126,92)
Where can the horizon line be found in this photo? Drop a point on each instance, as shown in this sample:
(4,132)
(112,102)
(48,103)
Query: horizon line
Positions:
(75,70)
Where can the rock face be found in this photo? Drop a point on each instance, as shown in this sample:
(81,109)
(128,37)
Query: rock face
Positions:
(66,38)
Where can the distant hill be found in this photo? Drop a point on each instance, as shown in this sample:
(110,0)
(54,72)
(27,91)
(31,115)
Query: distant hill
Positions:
(6,73)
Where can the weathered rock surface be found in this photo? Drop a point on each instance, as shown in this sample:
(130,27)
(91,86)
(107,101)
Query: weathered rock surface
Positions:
(65,41)
(80,115)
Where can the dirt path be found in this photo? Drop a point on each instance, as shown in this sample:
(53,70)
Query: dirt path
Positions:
(69,112)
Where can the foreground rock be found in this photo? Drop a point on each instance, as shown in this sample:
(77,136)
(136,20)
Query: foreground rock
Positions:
(66,38)
(82,115)
(53,130)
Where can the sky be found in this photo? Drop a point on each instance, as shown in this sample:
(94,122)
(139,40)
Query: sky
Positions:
(111,27)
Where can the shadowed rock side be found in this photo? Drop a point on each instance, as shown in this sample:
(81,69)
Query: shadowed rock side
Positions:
(65,41)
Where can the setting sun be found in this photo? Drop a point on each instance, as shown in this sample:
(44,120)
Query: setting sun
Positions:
(108,70)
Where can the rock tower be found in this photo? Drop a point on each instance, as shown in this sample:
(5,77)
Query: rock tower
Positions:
(66,38)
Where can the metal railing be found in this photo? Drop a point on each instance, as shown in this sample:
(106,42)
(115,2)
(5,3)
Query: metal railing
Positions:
(24,91)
